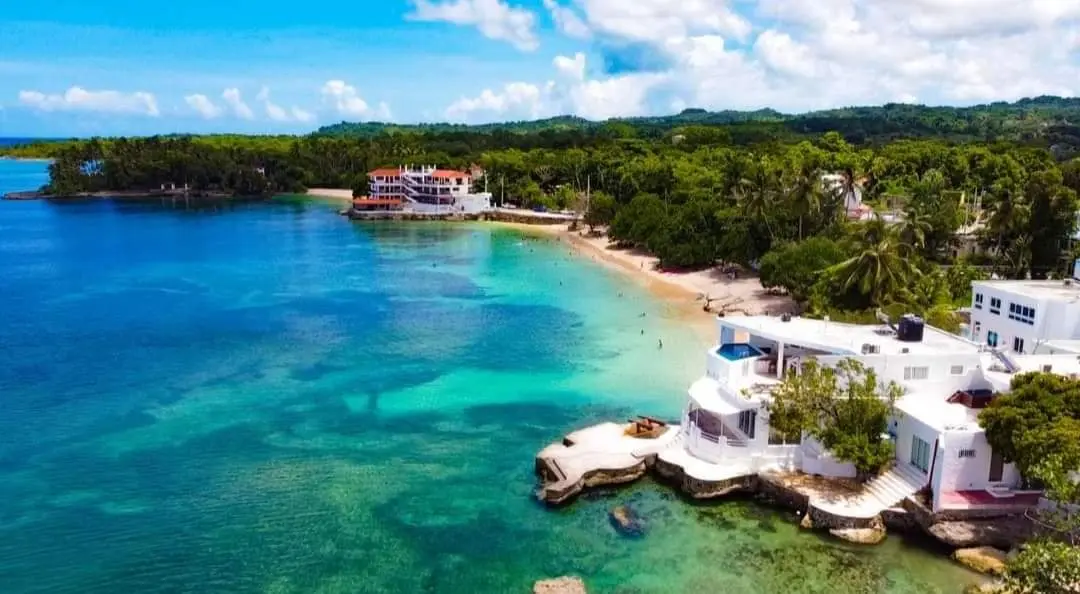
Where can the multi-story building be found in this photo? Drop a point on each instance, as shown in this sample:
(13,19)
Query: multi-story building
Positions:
(939,445)
(427,189)
(1025,316)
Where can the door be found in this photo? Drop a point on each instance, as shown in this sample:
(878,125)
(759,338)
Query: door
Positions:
(997,468)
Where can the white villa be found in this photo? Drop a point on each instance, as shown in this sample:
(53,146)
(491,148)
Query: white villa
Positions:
(424,189)
(946,380)
(1034,317)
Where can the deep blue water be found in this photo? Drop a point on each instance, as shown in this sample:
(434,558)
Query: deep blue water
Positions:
(268,398)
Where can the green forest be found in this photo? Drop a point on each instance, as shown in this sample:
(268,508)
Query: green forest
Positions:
(964,191)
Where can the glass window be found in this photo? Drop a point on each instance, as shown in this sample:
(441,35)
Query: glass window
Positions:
(1018,345)
(992,338)
(916,373)
(995,305)
(920,454)
(978,300)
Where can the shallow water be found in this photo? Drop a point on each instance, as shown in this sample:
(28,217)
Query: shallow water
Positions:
(268,398)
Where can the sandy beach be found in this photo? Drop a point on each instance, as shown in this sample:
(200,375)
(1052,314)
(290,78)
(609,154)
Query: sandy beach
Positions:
(684,291)
(334,193)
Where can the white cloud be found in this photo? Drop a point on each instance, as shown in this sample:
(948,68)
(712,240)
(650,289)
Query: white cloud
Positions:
(494,18)
(571,67)
(804,55)
(203,105)
(278,113)
(236,104)
(783,54)
(567,20)
(302,116)
(515,100)
(80,99)
(346,101)
(599,99)
(655,21)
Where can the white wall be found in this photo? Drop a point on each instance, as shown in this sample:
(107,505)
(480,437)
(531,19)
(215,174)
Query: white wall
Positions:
(939,368)
(1054,318)
(907,427)
(970,474)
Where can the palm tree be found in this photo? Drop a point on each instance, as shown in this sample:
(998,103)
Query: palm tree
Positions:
(756,194)
(880,269)
(914,228)
(805,193)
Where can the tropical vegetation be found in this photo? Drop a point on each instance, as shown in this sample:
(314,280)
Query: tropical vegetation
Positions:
(845,408)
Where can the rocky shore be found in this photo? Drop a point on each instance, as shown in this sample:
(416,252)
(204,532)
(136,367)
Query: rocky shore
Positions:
(598,456)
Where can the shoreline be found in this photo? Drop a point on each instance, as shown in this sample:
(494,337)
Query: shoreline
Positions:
(336,194)
(682,292)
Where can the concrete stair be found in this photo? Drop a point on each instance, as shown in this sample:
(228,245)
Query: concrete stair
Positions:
(892,487)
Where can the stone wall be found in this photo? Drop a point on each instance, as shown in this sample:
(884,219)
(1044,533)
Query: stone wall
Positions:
(699,489)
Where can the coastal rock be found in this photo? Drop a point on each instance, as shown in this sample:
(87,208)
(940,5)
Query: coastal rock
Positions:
(561,585)
(981,559)
(984,588)
(806,523)
(868,536)
(626,521)
(1003,533)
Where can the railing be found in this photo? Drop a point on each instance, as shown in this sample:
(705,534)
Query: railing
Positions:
(712,447)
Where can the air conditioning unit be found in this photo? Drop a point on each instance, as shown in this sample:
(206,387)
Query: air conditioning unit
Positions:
(870,349)
(1047,368)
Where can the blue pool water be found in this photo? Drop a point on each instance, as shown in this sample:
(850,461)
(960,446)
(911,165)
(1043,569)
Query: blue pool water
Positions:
(737,351)
(269,399)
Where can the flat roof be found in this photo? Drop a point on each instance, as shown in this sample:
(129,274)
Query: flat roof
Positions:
(847,339)
(1045,289)
(933,409)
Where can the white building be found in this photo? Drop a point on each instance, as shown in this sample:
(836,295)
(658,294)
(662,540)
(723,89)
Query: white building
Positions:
(945,379)
(428,189)
(1024,316)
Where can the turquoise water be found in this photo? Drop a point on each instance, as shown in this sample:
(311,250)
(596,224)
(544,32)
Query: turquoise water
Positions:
(269,399)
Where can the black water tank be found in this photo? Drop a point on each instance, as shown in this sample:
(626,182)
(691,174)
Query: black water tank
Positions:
(910,328)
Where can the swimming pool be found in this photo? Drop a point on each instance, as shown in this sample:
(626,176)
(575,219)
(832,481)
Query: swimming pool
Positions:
(738,351)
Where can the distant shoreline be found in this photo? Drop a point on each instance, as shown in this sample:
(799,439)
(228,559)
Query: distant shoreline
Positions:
(26,159)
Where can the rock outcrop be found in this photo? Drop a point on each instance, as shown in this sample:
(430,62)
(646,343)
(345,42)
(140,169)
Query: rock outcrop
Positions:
(1002,533)
(561,585)
(626,521)
(868,536)
(986,560)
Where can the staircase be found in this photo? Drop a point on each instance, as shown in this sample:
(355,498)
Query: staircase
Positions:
(888,489)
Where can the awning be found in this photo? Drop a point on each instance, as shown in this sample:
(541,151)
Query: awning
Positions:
(705,393)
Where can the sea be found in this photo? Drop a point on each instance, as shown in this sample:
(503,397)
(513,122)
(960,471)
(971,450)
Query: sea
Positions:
(268,398)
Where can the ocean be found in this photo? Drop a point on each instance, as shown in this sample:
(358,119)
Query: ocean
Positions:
(267,398)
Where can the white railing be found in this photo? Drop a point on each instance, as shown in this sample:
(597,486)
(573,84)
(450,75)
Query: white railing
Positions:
(714,448)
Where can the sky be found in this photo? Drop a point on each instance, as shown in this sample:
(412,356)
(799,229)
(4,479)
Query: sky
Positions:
(116,67)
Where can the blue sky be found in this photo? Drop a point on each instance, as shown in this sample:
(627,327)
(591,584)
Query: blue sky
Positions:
(134,67)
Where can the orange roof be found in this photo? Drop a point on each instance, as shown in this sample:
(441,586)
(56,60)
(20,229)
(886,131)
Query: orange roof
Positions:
(385,172)
(449,173)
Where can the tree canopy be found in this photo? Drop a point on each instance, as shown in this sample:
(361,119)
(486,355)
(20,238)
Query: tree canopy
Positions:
(1037,420)
(845,408)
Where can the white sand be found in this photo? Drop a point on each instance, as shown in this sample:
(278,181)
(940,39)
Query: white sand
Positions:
(335,193)
(742,295)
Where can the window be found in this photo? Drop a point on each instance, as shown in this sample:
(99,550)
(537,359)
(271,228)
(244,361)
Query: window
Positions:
(920,454)
(916,373)
(992,338)
(978,300)
(956,370)
(967,453)
(1018,345)
(1022,313)
(995,305)
(746,422)
(976,331)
